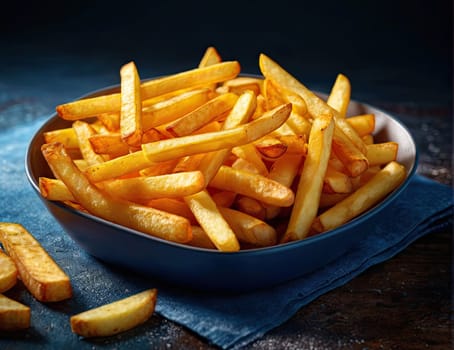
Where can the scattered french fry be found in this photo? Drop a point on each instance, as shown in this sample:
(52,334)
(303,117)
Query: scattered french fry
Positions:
(45,280)
(116,317)
(8,272)
(13,315)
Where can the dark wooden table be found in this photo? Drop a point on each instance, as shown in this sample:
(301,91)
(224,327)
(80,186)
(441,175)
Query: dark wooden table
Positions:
(403,303)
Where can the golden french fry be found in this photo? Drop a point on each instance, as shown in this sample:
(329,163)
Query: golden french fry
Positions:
(210,57)
(111,122)
(84,131)
(245,165)
(54,190)
(131,105)
(336,181)
(115,317)
(339,97)
(65,136)
(192,144)
(241,84)
(211,220)
(110,144)
(119,166)
(160,168)
(168,110)
(8,272)
(252,185)
(42,276)
(202,115)
(249,153)
(270,147)
(174,206)
(251,206)
(188,163)
(200,239)
(135,216)
(384,182)
(354,161)
(307,196)
(151,187)
(13,315)
(284,171)
(249,229)
(363,124)
(197,77)
(298,124)
(329,199)
(382,153)
(224,198)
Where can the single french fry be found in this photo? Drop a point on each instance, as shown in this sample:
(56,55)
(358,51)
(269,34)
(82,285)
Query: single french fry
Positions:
(249,229)
(150,187)
(354,161)
(13,315)
(111,121)
(211,220)
(168,110)
(382,153)
(384,182)
(368,139)
(339,97)
(42,276)
(245,165)
(251,206)
(336,181)
(119,166)
(115,317)
(299,124)
(224,198)
(97,202)
(84,131)
(252,185)
(200,239)
(189,163)
(110,144)
(54,190)
(174,206)
(131,105)
(188,145)
(363,124)
(284,171)
(197,77)
(8,272)
(241,84)
(202,115)
(211,56)
(310,185)
(66,136)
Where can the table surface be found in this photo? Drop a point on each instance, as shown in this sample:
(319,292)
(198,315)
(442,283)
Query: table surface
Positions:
(403,303)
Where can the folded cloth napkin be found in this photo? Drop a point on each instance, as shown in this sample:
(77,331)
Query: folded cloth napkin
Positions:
(228,321)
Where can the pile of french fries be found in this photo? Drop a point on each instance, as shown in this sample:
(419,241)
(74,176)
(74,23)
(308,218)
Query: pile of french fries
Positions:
(214,159)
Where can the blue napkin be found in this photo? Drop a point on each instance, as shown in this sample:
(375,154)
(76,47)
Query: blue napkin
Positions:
(228,321)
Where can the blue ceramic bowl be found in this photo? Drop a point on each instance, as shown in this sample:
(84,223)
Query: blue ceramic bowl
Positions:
(209,269)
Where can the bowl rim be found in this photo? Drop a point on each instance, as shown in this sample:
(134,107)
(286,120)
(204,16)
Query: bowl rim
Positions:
(250,251)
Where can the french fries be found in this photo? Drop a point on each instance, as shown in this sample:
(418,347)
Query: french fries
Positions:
(116,317)
(8,272)
(45,280)
(13,315)
(219,158)
(139,217)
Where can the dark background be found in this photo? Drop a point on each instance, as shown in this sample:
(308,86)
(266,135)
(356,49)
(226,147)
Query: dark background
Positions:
(394,51)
